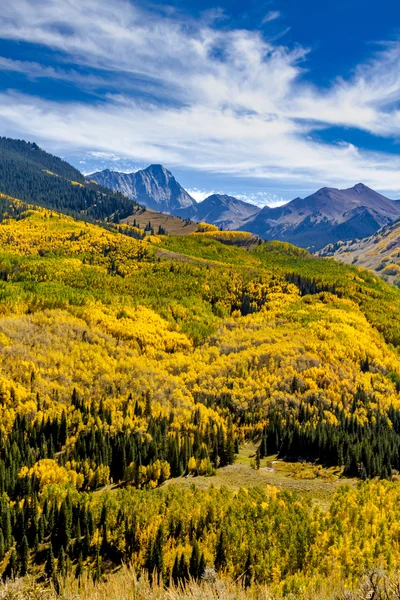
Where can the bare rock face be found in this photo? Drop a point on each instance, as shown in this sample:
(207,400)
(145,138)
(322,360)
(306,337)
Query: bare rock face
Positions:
(155,188)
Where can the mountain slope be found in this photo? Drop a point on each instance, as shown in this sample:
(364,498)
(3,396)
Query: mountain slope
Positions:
(224,211)
(379,252)
(157,189)
(328,215)
(125,363)
(37,177)
(160,223)
(154,187)
(30,152)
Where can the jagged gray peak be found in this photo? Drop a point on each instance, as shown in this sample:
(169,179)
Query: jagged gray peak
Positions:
(154,187)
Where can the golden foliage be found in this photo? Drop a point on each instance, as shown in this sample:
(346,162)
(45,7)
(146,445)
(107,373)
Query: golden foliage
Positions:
(47,471)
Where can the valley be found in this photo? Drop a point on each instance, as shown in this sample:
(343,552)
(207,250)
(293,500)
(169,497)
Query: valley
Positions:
(199,300)
(173,394)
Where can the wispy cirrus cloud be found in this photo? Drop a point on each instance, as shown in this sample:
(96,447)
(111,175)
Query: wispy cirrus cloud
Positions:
(271,15)
(195,95)
(34,70)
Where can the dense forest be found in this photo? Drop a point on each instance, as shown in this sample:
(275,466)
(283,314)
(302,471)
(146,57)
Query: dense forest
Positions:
(35,176)
(129,365)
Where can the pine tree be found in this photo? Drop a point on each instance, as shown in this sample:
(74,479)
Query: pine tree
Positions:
(24,556)
(2,546)
(157,558)
(230,448)
(263,447)
(63,431)
(258,459)
(61,563)
(248,571)
(79,566)
(183,569)
(7,527)
(175,571)
(220,552)
(194,562)
(97,568)
(11,569)
(201,567)
(149,561)
(50,567)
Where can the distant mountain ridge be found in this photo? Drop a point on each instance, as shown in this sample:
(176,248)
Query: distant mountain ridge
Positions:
(154,187)
(157,189)
(222,210)
(327,216)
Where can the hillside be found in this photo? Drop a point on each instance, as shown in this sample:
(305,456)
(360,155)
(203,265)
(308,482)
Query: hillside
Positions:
(133,364)
(379,252)
(34,176)
(143,217)
(125,363)
(327,216)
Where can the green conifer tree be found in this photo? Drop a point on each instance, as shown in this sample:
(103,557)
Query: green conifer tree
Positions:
(50,566)
(24,556)
(194,561)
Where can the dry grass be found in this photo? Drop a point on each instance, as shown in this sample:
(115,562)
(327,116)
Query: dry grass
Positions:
(313,482)
(172,225)
(125,585)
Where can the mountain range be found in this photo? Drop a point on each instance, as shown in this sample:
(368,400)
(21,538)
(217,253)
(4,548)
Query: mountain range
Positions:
(222,210)
(327,216)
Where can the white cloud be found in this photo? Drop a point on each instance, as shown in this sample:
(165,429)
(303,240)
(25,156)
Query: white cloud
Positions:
(105,156)
(272,15)
(236,103)
(257,198)
(262,199)
(34,70)
(200,195)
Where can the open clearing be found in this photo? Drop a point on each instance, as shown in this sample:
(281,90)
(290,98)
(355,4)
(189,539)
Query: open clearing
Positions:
(308,480)
(172,225)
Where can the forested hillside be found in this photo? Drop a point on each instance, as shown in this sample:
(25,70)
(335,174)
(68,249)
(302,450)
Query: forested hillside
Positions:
(126,362)
(32,175)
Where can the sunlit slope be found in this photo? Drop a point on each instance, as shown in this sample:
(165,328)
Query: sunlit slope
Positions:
(125,362)
(379,252)
(144,217)
(86,308)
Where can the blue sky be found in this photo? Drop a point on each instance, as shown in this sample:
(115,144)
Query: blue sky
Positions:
(263,100)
